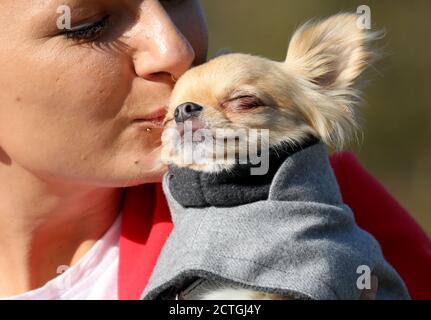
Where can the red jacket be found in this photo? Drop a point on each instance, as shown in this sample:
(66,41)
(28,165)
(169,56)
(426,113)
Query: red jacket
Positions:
(146,224)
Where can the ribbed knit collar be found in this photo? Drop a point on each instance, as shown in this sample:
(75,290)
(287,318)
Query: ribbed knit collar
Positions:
(237,186)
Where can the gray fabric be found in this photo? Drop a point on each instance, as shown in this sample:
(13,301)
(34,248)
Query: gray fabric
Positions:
(195,189)
(301,240)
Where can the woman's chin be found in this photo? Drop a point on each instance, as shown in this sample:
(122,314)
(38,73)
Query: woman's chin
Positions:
(142,173)
(132,169)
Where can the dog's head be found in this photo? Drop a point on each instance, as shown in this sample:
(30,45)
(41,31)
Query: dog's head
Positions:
(312,93)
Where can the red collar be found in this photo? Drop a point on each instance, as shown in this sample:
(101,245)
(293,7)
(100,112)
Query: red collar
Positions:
(146,225)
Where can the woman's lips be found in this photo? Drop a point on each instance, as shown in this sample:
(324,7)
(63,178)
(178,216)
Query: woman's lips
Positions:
(150,123)
(152,120)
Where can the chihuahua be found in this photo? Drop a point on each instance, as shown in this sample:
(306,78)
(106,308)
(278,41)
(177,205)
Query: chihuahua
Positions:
(312,93)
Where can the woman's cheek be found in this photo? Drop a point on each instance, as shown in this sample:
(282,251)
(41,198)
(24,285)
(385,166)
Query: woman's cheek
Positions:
(94,83)
(92,135)
(68,107)
(90,99)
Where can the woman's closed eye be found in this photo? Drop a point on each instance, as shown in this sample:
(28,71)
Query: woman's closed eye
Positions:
(88,31)
(92,31)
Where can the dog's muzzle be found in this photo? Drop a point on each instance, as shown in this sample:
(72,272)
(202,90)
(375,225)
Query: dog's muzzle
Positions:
(187,111)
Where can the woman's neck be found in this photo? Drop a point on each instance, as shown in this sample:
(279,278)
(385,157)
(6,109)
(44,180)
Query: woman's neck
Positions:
(46,226)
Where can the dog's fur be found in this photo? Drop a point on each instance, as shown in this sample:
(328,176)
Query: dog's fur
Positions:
(312,92)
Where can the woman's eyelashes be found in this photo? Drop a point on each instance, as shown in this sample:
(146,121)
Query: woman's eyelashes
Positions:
(88,31)
(92,31)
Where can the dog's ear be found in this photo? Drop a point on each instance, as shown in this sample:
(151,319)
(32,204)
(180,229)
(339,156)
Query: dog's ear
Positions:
(328,57)
(331,53)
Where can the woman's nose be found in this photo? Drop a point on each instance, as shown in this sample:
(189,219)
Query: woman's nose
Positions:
(159,47)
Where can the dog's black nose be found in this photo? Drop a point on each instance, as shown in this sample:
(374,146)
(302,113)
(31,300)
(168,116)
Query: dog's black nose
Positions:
(187,111)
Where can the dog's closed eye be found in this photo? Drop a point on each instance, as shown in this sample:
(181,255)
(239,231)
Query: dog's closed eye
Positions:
(242,102)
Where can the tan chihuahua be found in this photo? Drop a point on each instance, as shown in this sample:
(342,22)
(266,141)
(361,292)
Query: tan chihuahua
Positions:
(311,93)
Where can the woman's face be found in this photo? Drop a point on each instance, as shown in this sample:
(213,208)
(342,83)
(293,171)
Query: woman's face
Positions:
(83,105)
